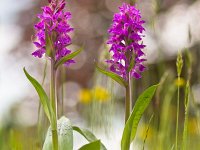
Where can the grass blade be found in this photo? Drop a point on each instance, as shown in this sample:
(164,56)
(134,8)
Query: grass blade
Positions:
(147,131)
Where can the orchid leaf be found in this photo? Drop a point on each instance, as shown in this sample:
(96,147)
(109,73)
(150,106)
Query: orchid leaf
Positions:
(133,121)
(89,136)
(92,146)
(43,96)
(65,135)
(67,57)
(114,76)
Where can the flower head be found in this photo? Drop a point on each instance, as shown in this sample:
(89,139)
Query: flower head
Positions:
(53,24)
(126,42)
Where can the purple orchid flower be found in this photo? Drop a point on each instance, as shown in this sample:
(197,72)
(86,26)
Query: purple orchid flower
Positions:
(126,42)
(54,21)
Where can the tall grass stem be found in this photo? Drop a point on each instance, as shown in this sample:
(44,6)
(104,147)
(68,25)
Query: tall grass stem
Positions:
(179,66)
(177,115)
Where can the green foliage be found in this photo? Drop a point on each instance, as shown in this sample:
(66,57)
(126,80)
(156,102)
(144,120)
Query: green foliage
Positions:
(67,57)
(49,45)
(65,135)
(179,64)
(43,99)
(88,135)
(114,76)
(185,130)
(147,131)
(92,146)
(132,63)
(165,120)
(138,110)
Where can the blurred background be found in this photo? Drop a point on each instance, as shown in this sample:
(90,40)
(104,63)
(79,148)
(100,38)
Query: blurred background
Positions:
(88,98)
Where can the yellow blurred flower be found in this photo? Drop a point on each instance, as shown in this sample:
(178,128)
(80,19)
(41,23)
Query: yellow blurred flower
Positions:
(192,126)
(98,93)
(101,94)
(143,132)
(85,96)
(179,82)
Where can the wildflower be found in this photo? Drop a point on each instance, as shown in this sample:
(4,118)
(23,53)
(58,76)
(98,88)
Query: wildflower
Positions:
(146,130)
(192,126)
(179,82)
(85,96)
(53,24)
(126,42)
(97,93)
(101,94)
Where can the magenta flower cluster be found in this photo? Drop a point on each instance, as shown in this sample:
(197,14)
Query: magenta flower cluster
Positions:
(54,22)
(126,42)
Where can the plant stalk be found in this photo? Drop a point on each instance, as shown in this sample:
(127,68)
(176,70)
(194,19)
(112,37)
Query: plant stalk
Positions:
(62,91)
(177,115)
(53,103)
(128,100)
(52,94)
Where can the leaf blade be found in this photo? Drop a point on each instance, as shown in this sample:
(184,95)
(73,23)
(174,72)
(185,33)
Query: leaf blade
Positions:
(65,135)
(132,123)
(42,94)
(67,57)
(95,145)
(114,76)
(89,136)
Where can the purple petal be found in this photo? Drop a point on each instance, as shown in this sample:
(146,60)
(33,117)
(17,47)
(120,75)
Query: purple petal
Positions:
(38,53)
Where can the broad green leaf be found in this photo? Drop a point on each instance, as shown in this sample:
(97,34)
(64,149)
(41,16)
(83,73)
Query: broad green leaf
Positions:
(49,45)
(138,110)
(114,76)
(88,135)
(67,57)
(43,96)
(92,146)
(65,135)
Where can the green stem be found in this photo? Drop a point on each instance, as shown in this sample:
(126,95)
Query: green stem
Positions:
(55,139)
(63,80)
(52,94)
(53,103)
(128,100)
(177,115)
(185,129)
(184,144)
